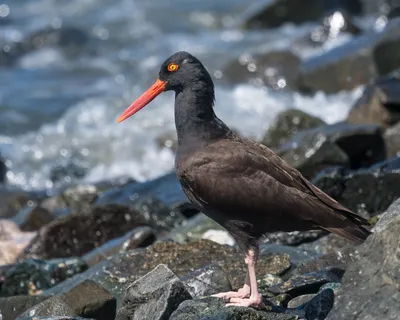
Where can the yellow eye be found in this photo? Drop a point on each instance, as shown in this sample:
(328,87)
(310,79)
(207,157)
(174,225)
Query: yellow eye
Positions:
(172,67)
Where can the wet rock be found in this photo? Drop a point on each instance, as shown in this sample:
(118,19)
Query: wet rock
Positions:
(379,103)
(373,278)
(87,299)
(292,238)
(194,229)
(348,145)
(158,215)
(12,241)
(287,124)
(154,296)
(115,182)
(32,276)
(33,217)
(335,286)
(70,39)
(319,306)
(77,234)
(392,141)
(137,238)
(56,205)
(308,283)
(166,189)
(276,69)
(207,281)
(297,254)
(386,219)
(12,307)
(298,301)
(266,281)
(118,271)
(11,201)
(366,191)
(79,198)
(214,309)
(53,318)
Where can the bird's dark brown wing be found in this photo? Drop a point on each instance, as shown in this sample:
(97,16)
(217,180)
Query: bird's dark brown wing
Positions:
(234,175)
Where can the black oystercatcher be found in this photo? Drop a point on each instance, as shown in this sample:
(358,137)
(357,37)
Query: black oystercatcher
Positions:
(241,184)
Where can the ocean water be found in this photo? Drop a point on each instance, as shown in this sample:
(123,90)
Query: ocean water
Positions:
(57,109)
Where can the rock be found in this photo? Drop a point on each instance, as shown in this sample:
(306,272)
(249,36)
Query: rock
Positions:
(214,309)
(366,191)
(335,286)
(299,300)
(379,103)
(53,318)
(139,237)
(276,69)
(87,299)
(329,244)
(11,307)
(167,189)
(11,201)
(207,281)
(219,236)
(194,229)
(319,306)
(297,254)
(77,234)
(3,170)
(154,296)
(118,271)
(373,278)
(32,217)
(293,238)
(32,276)
(386,219)
(307,283)
(79,198)
(158,215)
(115,182)
(287,124)
(348,145)
(392,141)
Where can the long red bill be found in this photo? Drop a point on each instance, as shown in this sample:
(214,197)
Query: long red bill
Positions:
(143,100)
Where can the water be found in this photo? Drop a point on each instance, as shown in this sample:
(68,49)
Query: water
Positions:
(57,109)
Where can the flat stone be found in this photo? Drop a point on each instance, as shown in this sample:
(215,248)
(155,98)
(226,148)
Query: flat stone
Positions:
(154,296)
(299,300)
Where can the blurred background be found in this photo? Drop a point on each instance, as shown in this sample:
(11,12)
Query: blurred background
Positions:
(69,68)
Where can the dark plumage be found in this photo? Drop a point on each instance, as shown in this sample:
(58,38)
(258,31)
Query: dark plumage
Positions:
(239,183)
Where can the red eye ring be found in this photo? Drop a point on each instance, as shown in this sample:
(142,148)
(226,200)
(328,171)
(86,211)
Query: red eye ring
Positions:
(172,67)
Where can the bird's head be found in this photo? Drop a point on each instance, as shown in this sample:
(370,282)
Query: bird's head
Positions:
(179,72)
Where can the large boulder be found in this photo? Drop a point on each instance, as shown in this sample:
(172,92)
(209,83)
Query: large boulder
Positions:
(370,286)
(12,307)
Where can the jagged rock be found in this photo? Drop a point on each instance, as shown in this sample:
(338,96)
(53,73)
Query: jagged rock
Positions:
(87,299)
(342,144)
(299,300)
(154,296)
(207,281)
(11,307)
(379,103)
(137,238)
(77,234)
(392,141)
(276,69)
(386,219)
(11,201)
(54,318)
(373,278)
(287,124)
(214,309)
(366,191)
(33,217)
(319,307)
(79,198)
(118,271)
(32,276)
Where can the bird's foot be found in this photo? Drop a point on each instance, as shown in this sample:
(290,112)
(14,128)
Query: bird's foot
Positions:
(240,294)
(253,301)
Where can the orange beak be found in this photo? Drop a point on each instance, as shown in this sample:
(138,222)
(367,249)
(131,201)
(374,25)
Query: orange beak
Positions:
(143,100)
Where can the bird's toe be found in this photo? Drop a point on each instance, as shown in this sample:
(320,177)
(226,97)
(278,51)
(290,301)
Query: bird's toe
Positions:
(253,301)
(228,296)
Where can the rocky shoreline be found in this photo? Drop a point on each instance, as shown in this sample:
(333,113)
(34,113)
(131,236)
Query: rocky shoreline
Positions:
(122,250)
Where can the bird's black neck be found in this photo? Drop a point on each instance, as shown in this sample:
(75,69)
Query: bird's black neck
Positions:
(195,119)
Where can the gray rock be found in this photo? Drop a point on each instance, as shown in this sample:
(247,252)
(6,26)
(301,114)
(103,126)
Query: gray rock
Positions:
(275,69)
(214,309)
(298,301)
(77,234)
(370,286)
(287,124)
(392,141)
(366,191)
(32,217)
(54,318)
(154,296)
(80,197)
(207,281)
(87,299)
(387,218)
(11,307)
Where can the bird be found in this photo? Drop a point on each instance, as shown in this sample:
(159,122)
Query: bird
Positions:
(241,184)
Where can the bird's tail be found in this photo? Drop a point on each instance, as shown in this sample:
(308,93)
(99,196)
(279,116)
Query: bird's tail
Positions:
(353,233)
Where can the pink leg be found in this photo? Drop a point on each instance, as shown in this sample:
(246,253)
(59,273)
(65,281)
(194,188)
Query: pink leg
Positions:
(255,299)
(243,292)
